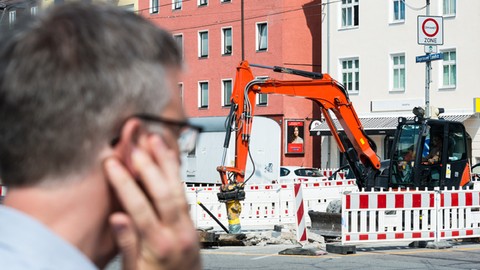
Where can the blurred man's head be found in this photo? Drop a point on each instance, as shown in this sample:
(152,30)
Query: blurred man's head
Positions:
(68,80)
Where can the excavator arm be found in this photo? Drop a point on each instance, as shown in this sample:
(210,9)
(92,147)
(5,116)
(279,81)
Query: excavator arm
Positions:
(320,88)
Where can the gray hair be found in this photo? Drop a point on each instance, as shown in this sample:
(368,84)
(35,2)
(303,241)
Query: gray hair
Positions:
(68,79)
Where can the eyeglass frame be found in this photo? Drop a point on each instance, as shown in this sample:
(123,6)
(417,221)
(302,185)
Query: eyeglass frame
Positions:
(158,120)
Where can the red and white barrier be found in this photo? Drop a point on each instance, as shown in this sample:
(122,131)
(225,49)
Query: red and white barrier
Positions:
(410,215)
(3,191)
(300,214)
(265,205)
(388,215)
(459,214)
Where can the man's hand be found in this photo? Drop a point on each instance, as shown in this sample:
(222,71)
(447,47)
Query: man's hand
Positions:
(156,231)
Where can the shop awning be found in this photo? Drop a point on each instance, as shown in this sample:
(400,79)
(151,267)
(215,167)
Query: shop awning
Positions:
(377,125)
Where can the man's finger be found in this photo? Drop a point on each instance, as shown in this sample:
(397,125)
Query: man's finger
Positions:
(169,165)
(166,197)
(131,195)
(126,238)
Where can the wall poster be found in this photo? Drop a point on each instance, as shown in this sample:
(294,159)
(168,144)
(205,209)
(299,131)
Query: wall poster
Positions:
(295,130)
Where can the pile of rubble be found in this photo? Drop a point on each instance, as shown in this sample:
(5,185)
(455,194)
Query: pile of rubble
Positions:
(280,235)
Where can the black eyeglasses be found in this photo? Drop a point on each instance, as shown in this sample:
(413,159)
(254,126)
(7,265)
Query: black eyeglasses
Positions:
(187,133)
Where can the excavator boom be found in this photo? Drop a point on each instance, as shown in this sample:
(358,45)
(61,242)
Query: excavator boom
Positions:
(329,94)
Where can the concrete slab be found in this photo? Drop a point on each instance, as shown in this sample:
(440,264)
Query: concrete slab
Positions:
(439,245)
(338,248)
(303,251)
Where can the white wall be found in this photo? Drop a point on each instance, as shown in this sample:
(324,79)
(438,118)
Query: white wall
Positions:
(264,147)
(473,128)
(376,38)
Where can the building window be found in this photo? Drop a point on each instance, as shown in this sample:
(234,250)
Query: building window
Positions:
(398,11)
(262,36)
(12,16)
(227,41)
(449,69)
(154,6)
(34,10)
(203,95)
(226,92)
(203,44)
(202,2)
(176,4)
(398,72)
(351,75)
(349,13)
(179,40)
(262,99)
(449,7)
(225,1)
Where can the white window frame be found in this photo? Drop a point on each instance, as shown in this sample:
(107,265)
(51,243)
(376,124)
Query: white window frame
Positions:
(449,63)
(262,99)
(225,1)
(258,37)
(202,3)
(355,71)
(200,96)
(398,68)
(400,3)
(177,4)
(224,48)
(349,6)
(12,17)
(34,10)
(154,6)
(180,44)
(449,8)
(201,45)
(224,94)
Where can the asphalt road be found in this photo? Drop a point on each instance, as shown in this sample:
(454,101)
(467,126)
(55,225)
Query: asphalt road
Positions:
(398,256)
(462,255)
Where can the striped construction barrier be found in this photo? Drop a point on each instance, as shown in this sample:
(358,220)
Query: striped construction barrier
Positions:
(459,214)
(375,216)
(410,215)
(265,205)
(300,213)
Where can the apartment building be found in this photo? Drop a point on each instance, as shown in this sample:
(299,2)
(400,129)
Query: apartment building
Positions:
(275,33)
(371,47)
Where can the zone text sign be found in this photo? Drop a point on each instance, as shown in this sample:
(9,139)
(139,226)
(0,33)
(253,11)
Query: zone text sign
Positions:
(430,30)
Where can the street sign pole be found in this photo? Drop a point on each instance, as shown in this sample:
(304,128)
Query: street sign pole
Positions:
(428,67)
(427,75)
(430,34)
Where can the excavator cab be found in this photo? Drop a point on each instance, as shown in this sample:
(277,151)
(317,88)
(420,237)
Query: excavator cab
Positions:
(429,153)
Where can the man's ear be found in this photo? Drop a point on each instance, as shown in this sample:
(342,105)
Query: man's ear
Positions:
(133,135)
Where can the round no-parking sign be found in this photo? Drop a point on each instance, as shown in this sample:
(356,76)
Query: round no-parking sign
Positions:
(430,30)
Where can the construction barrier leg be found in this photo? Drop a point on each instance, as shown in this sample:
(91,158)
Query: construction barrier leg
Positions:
(234,208)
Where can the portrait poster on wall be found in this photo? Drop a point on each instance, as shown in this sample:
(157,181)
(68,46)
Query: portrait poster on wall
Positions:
(295,130)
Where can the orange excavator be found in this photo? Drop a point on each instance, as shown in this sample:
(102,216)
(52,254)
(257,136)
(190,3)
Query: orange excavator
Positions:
(411,162)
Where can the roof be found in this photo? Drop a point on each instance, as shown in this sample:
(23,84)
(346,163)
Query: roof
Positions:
(378,125)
